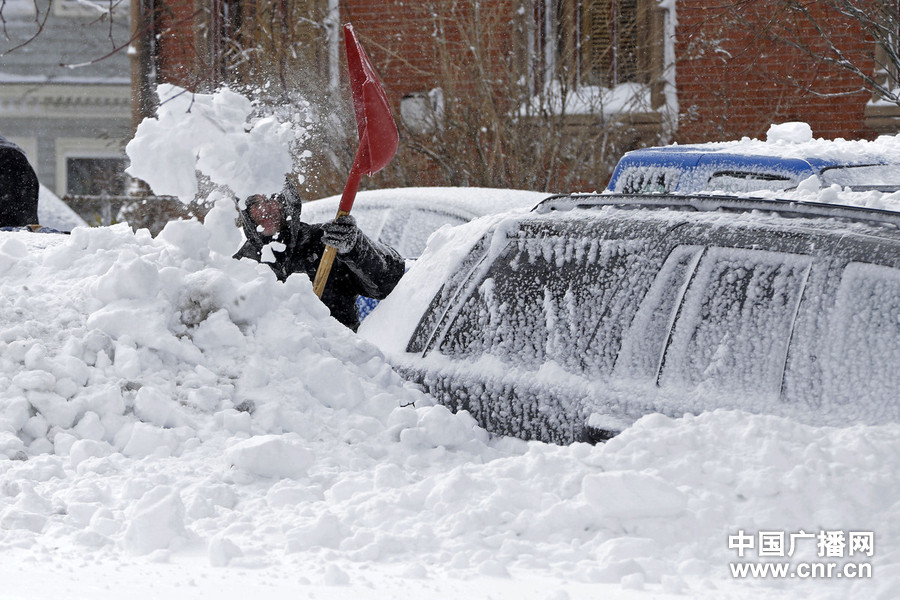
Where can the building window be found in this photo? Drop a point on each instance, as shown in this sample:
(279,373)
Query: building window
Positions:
(95,176)
(600,42)
(89,166)
(266,41)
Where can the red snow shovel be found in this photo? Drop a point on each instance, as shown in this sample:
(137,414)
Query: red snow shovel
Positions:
(378,137)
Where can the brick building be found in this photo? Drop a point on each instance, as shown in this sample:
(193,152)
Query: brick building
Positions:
(735,78)
(638,71)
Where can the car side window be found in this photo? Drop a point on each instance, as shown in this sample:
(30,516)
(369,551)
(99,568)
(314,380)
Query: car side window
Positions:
(642,348)
(865,332)
(734,326)
(554,299)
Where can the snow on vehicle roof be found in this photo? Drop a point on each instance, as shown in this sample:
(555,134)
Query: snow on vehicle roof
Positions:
(467,201)
(795,141)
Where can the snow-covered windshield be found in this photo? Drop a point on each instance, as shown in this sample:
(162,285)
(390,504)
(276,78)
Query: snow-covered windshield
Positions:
(421,224)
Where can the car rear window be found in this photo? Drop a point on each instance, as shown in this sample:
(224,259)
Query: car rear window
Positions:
(736,182)
(420,226)
(648,179)
(554,299)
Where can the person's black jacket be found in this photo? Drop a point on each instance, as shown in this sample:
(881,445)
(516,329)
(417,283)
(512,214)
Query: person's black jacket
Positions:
(18,187)
(370,269)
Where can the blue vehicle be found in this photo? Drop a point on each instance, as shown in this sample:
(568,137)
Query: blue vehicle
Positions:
(751,165)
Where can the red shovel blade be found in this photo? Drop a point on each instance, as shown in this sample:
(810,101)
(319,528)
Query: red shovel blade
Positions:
(375,124)
(378,136)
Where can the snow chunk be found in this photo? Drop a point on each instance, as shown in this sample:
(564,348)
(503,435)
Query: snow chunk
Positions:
(157,521)
(134,278)
(793,132)
(333,383)
(217,331)
(82,450)
(633,495)
(437,426)
(275,456)
(224,237)
(222,550)
(216,135)
(15,518)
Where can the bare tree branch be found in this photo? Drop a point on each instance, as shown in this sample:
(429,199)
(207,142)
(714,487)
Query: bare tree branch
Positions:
(39,19)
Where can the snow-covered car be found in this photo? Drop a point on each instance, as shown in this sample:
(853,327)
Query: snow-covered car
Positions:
(56,214)
(571,322)
(780,163)
(404,218)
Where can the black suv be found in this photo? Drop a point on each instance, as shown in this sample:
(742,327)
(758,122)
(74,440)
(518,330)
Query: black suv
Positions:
(570,322)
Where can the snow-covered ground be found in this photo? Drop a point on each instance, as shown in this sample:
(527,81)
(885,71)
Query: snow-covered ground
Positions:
(175,423)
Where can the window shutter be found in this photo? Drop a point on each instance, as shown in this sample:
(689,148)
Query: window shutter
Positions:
(610,48)
(597,55)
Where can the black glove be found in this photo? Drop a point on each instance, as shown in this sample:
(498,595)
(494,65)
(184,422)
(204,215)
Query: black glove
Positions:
(342,234)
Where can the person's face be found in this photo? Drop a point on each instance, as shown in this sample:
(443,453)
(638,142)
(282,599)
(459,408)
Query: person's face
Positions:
(267,214)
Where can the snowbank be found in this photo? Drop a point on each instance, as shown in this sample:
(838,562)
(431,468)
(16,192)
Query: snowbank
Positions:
(161,400)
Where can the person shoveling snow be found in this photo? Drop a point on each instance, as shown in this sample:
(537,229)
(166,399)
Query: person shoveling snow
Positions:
(276,236)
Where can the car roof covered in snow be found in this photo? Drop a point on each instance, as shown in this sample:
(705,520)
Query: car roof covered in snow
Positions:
(785,154)
(469,202)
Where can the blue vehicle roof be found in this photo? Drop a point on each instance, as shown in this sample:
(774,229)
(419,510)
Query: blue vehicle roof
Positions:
(688,168)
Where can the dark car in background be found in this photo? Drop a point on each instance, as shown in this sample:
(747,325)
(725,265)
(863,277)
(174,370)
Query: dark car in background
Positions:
(404,218)
(570,322)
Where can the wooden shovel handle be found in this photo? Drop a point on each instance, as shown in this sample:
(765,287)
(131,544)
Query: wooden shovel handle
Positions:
(325,263)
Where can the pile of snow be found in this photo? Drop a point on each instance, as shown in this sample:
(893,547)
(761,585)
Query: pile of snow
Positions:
(792,132)
(164,404)
(177,423)
(810,190)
